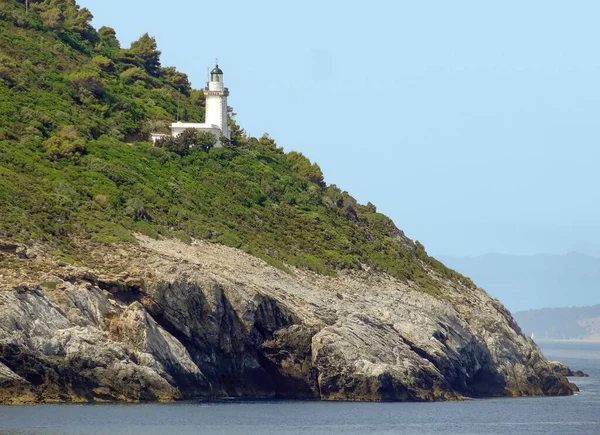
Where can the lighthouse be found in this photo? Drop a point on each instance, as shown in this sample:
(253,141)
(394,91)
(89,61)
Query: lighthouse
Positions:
(215,112)
(216,101)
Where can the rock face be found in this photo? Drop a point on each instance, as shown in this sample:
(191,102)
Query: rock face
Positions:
(182,322)
(562,369)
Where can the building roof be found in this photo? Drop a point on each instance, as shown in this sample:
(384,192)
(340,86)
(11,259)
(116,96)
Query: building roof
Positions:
(217,70)
(199,126)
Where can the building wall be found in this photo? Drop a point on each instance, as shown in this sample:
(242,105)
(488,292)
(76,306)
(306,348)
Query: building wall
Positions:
(224,125)
(157,136)
(216,106)
(214,109)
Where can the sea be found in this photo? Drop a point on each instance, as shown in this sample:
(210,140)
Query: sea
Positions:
(578,414)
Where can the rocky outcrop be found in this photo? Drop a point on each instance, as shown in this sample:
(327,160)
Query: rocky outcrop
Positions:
(563,370)
(168,321)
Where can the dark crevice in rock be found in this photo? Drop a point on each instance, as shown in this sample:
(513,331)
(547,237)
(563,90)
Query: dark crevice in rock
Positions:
(51,379)
(8,248)
(122,291)
(270,316)
(227,354)
(423,354)
(288,359)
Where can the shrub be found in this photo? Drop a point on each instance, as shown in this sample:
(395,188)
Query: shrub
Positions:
(133,75)
(103,63)
(170,144)
(87,83)
(312,172)
(206,140)
(65,143)
(136,209)
(188,139)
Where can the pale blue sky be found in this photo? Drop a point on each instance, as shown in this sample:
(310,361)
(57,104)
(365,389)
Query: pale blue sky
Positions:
(473,124)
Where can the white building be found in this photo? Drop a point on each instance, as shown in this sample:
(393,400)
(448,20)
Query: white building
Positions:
(215,115)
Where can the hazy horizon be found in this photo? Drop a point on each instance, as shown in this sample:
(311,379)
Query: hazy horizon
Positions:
(504,254)
(534,281)
(471,124)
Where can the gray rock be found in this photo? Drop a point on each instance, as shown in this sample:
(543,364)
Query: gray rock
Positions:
(205,320)
(563,370)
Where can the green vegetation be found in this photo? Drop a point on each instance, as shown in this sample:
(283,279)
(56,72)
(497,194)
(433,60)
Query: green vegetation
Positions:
(75,113)
(58,72)
(187,141)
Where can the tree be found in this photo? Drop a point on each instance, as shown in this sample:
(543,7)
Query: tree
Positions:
(108,41)
(227,143)
(78,21)
(176,79)
(206,140)
(312,172)
(197,98)
(66,15)
(188,139)
(146,49)
(53,18)
(238,134)
(267,142)
(108,35)
(171,143)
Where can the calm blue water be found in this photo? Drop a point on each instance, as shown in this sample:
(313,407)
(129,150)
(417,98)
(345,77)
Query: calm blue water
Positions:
(579,414)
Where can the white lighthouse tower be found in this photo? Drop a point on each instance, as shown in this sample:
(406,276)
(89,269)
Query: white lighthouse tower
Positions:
(215,113)
(216,101)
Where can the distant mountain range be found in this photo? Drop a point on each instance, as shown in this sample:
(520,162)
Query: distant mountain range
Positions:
(582,323)
(535,281)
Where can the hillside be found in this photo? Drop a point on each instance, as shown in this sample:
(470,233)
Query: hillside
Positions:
(65,173)
(534,281)
(132,272)
(566,323)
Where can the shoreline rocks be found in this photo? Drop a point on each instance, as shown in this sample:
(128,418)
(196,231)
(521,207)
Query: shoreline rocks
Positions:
(206,321)
(563,370)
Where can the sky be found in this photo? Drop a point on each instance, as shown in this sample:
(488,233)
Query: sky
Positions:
(473,125)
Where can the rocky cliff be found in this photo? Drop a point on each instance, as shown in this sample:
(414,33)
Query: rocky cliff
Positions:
(164,320)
